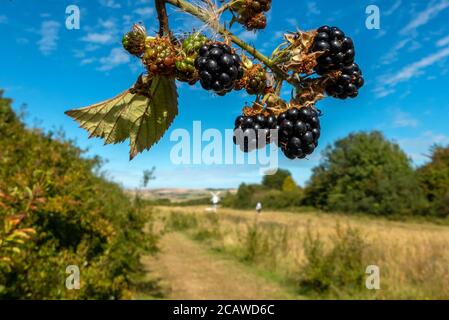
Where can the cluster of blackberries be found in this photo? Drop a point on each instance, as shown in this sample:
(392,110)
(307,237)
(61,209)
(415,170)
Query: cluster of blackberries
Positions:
(299,131)
(251,133)
(218,67)
(185,66)
(347,84)
(251,13)
(337,47)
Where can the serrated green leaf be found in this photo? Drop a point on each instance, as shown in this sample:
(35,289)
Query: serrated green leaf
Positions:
(143,114)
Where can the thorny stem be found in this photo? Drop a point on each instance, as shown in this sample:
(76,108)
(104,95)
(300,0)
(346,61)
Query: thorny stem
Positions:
(203,16)
(162,17)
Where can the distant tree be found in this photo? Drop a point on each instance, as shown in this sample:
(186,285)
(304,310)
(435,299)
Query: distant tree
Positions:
(434,179)
(148,175)
(289,185)
(366,173)
(244,197)
(276,180)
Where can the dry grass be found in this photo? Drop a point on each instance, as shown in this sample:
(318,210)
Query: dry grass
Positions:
(413,257)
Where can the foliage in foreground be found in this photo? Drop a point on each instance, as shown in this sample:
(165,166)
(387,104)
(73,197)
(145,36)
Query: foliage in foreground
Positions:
(335,270)
(55,211)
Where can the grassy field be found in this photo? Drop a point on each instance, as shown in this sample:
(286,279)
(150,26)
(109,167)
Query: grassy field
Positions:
(323,255)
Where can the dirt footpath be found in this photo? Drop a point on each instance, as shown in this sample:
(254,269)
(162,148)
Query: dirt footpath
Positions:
(190,272)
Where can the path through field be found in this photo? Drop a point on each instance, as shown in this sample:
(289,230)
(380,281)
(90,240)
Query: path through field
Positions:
(189,271)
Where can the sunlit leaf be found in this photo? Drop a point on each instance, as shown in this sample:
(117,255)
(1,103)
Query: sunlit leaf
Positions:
(142,113)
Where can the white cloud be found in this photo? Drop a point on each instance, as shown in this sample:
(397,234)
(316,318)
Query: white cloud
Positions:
(49,36)
(110,4)
(425,16)
(87,61)
(116,57)
(404,119)
(98,38)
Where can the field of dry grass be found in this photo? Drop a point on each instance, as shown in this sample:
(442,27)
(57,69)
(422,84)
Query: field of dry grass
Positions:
(413,257)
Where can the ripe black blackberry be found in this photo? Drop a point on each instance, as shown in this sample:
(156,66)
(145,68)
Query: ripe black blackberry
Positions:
(251,133)
(299,131)
(347,84)
(337,47)
(219,67)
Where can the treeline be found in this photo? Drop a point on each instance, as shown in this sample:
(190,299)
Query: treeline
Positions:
(56,210)
(362,173)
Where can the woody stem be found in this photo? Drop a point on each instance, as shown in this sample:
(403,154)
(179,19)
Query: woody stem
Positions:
(162,17)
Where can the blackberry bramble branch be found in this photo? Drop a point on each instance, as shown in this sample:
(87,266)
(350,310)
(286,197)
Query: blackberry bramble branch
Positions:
(316,64)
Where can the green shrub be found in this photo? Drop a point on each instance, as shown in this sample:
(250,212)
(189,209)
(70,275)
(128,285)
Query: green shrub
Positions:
(252,243)
(278,200)
(434,180)
(181,222)
(335,270)
(79,218)
(366,173)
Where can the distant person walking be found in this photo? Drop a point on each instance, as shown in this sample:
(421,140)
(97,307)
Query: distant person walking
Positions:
(259,208)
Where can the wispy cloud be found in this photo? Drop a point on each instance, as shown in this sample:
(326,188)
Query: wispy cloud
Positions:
(312,9)
(393,8)
(144,12)
(49,36)
(443,42)
(116,57)
(110,4)
(404,120)
(432,10)
(292,21)
(392,54)
(388,82)
(415,69)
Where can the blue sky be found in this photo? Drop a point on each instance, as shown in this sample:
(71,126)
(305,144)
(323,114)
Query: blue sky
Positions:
(52,69)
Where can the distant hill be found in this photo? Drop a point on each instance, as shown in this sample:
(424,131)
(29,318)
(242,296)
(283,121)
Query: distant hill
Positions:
(177,194)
